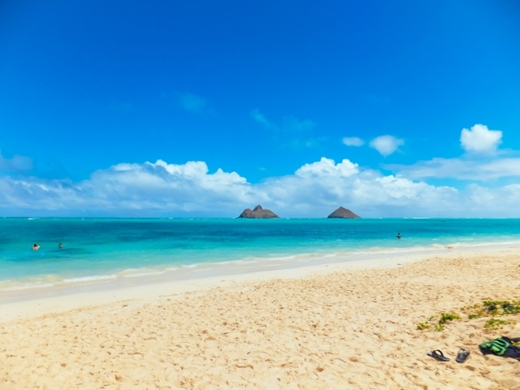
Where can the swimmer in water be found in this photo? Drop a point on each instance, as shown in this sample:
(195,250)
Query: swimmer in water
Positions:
(36,247)
(60,245)
(398,236)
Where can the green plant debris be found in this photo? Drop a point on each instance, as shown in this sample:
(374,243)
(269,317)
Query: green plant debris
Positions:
(510,309)
(478,314)
(488,308)
(492,308)
(439,327)
(495,323)
(470,307)
(445,317)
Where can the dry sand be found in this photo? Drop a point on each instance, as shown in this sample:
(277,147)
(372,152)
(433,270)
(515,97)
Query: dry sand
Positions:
(335,328)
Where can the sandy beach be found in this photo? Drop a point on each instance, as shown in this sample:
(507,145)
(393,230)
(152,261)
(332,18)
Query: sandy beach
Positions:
(336,326)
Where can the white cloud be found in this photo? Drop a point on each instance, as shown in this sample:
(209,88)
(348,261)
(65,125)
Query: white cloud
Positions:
(460,169)
(479,139)
(386,144)
(327,167)
(315,189)
(193,103)
(479,164)
(353,141)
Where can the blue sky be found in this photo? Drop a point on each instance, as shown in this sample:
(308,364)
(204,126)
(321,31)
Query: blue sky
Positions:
(259,102)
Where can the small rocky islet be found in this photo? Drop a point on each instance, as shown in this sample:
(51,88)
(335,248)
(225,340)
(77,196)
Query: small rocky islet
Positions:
(260,213)
(344,213)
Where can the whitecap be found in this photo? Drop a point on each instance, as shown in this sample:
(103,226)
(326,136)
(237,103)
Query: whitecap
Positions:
(92,278)
(28,286)
(143,274)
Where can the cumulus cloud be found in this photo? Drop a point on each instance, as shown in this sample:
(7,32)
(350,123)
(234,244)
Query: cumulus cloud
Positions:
(327,167)
(386,144)
(193,103)
(479,139)
(151,188)
(314,190)
(353,141)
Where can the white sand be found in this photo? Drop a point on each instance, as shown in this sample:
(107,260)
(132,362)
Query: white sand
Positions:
(342,325)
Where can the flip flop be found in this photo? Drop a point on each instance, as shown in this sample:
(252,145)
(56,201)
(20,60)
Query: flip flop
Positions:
(438,355)
(462,356)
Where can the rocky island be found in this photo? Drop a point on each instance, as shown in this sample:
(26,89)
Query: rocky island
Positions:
(342,212)
(258,213)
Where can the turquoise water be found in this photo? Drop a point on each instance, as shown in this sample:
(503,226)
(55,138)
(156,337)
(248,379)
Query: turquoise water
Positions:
(98,248)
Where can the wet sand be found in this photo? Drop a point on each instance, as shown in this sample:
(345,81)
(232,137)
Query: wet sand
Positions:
(338,326)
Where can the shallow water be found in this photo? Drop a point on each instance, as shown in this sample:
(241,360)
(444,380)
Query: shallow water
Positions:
(108,248)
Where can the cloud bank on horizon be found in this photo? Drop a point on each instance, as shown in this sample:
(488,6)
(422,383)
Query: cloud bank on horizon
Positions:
(313,190)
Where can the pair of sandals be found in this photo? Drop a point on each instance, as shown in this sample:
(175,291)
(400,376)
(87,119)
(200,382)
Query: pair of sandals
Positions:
(462,355)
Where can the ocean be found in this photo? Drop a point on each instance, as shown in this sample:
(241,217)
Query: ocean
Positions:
(103,249)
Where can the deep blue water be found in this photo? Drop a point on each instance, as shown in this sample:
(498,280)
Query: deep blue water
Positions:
(108,246)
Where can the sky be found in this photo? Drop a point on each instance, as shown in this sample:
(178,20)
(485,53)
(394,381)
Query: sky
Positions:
(203,108)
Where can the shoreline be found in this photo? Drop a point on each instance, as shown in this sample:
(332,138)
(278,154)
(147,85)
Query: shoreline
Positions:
(163,272)
(26,302)
(285,260)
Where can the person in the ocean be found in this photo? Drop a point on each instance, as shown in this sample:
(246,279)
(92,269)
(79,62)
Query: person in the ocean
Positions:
(60,245)
(398,236)
(36,247)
